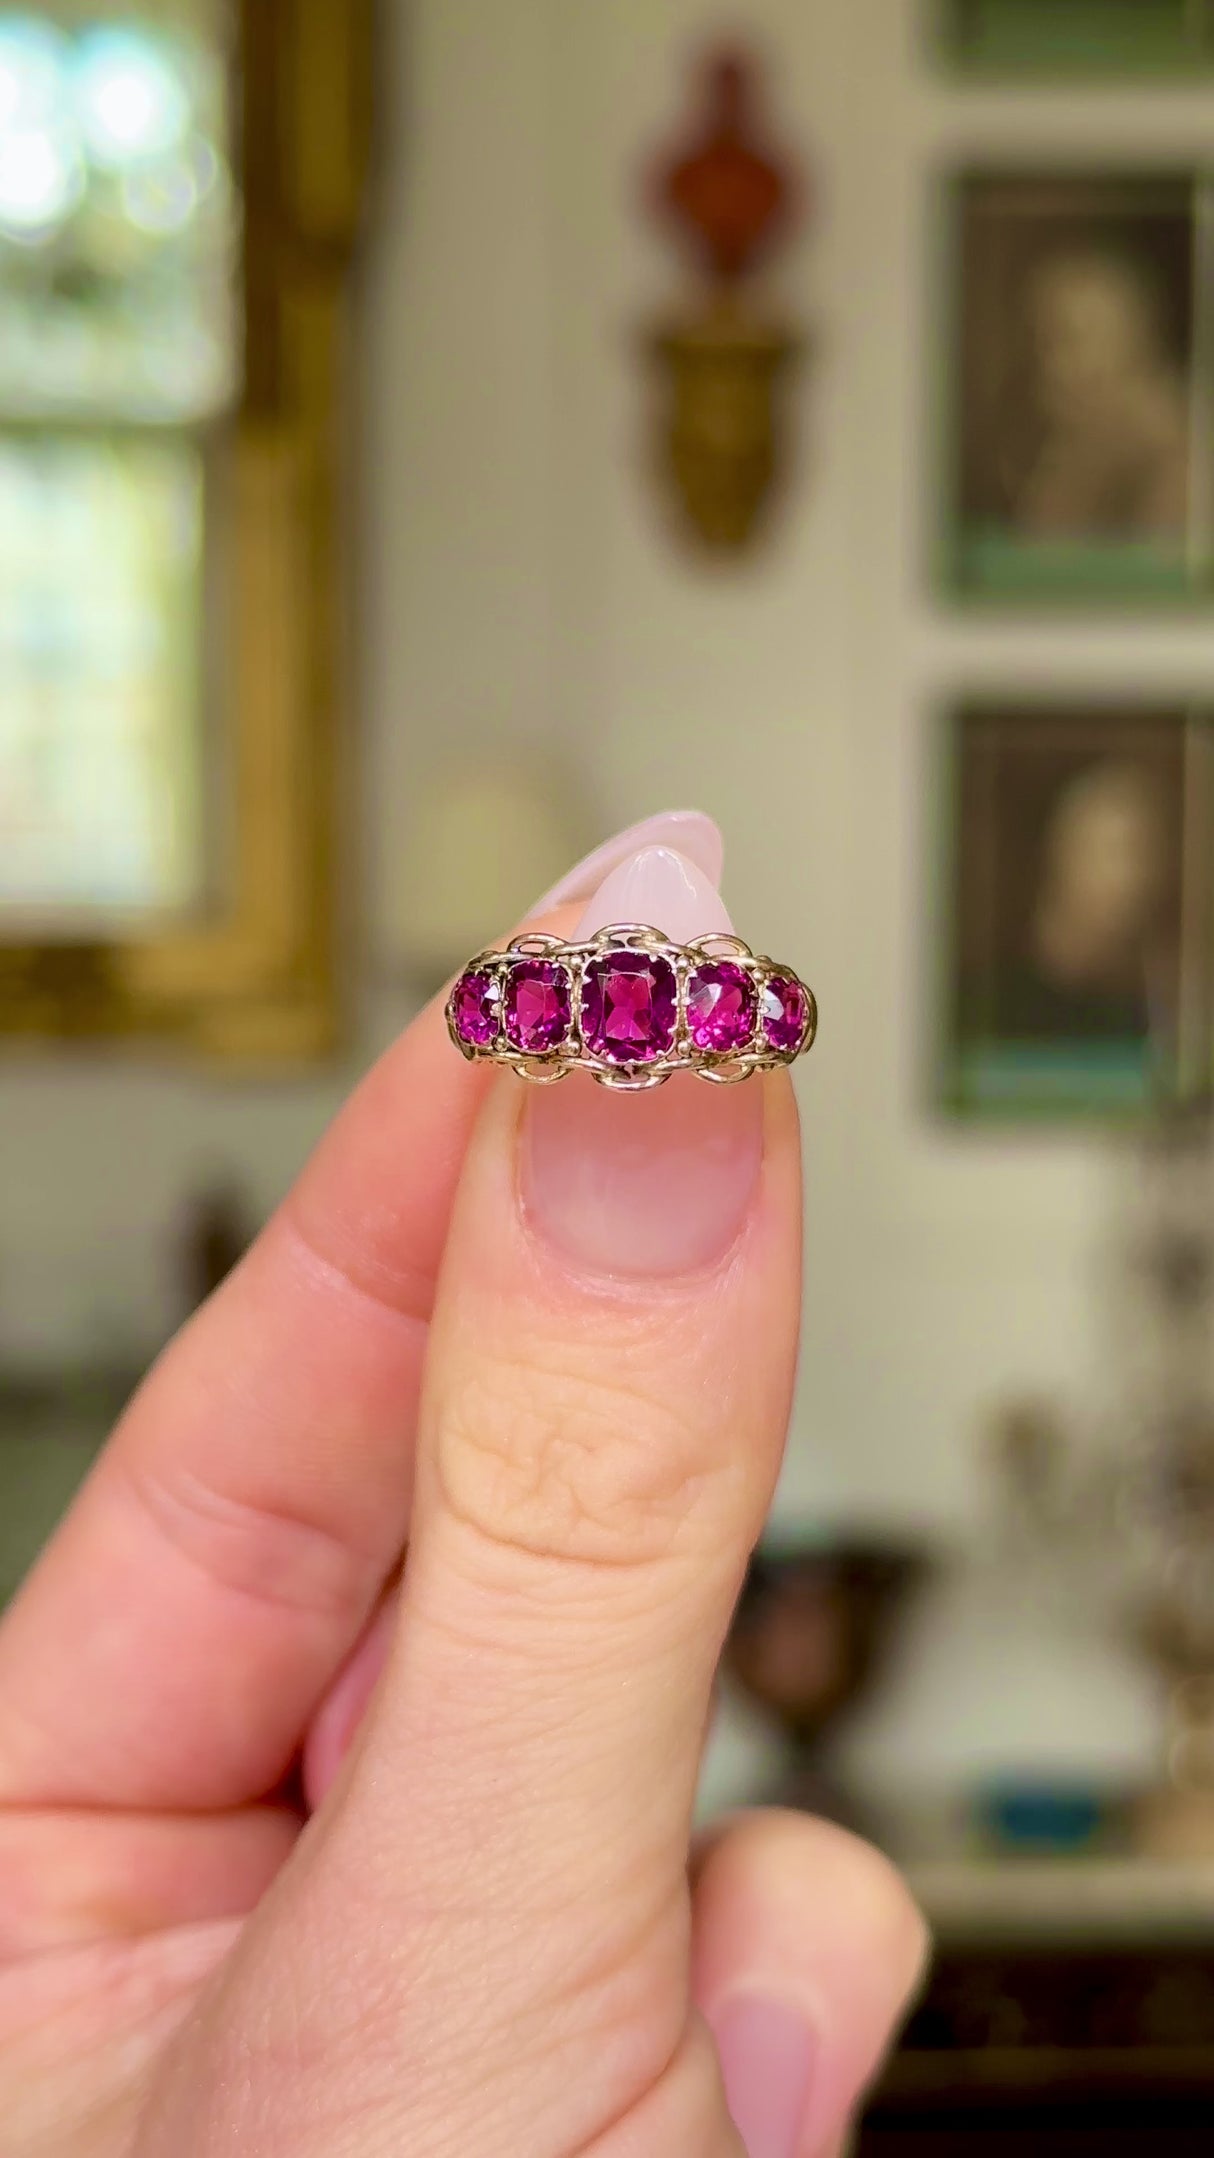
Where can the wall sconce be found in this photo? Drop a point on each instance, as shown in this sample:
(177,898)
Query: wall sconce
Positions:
(724,361)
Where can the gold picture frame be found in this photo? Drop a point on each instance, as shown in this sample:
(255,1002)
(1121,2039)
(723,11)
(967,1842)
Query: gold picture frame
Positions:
(254,977)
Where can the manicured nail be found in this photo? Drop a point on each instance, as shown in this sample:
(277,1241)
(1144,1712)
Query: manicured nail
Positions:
(767,2052)
(659,885)
(645,1185)
(688,831)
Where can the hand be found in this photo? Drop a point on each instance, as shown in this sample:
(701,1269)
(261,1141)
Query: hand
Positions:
(566,1384)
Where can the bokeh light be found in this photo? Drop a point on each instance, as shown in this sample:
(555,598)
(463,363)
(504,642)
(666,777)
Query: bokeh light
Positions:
(131,102)
(119,213)
(163,197)
(41,181)
(112,97)
(34,62)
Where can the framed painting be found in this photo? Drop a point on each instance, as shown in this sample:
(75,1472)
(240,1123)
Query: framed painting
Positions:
(1079,463)
(1079,930)
(180,187)
(1077,37)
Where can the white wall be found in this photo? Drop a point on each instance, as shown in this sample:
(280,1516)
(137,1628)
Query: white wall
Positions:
(786,695)
(518,583)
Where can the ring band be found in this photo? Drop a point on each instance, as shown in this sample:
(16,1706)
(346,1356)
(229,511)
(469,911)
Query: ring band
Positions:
(631,1008)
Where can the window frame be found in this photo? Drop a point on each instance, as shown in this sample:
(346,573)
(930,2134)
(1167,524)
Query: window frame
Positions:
(255,977)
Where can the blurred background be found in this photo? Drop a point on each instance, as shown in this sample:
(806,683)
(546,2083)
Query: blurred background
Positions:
(434,434)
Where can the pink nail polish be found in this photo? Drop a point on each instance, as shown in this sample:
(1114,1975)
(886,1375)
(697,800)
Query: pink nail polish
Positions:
(645,1185)
(689,831)
(766,2050)
(664,889)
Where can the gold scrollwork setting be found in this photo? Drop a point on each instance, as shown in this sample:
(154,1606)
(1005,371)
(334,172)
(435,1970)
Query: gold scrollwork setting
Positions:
(573,1053)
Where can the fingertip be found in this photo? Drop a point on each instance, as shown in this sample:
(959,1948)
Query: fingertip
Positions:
(690,831)
(773,1857)
(663,888)
(799,1923)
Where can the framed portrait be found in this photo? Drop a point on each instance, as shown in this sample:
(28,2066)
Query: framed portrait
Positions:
(1081,456)
(1080,926)
(1085,37)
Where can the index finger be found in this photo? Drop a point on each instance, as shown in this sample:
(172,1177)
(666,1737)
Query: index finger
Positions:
(222,1558)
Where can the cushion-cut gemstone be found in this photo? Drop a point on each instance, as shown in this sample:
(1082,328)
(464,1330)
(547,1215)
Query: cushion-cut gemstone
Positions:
(537,1005)
(720,1007)
(628,1007)
(474,1003)
(785,1012)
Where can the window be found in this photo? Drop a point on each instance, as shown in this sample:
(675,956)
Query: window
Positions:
(119,221)
(179,192)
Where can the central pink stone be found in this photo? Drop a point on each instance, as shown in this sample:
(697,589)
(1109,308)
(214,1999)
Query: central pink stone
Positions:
(629,1000)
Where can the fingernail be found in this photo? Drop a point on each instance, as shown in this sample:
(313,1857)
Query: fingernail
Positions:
(662,887)
(645,1185)
(767,2051)
(688,831)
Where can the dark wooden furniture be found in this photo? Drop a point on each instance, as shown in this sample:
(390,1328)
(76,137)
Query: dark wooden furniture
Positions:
(1070,2014)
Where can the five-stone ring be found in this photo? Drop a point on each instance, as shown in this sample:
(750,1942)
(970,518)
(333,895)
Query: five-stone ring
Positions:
(631,1008)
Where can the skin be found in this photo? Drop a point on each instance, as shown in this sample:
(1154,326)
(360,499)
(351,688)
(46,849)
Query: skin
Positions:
(481,1929)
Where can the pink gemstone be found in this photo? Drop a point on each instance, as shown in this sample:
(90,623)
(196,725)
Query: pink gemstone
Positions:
(785,1012)
(537,1006)
(720,1007)
(474,1004)
(629,1001)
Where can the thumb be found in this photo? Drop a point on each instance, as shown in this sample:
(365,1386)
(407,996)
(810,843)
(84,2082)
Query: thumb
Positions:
(496,1889)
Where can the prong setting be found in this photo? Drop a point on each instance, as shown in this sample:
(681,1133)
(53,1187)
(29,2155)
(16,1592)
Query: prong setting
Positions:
(713,1007)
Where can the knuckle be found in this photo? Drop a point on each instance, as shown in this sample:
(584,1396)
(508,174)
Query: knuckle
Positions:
(251,1545)
(559,1464)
